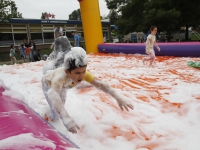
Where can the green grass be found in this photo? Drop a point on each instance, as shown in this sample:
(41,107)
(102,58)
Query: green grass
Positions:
(194,37)
(5,58)
(9,62)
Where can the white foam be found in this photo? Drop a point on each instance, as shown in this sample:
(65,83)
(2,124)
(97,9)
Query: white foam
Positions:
(154,117)
(25,141)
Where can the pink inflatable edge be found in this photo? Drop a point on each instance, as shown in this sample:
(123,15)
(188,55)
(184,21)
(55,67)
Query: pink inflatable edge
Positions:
(18,118)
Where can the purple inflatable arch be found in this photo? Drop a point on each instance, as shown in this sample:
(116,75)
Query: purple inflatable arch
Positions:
(178,49)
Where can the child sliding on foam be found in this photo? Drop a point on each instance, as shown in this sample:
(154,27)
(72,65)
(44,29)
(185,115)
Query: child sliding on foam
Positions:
(56,82)
(151,41)
(61,47)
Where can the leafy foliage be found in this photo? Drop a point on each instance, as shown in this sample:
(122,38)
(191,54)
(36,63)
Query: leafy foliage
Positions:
(75,15)
(43,15)
(8,10)
(113,16)
(167,15)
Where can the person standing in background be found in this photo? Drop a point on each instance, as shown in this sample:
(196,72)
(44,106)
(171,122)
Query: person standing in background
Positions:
(76,39)
(27,52)
(22,52)
(104,39)
(24,42)
(12,54)
(32,50)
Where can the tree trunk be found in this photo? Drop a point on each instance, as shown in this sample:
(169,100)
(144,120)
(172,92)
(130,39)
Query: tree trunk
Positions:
(186,33)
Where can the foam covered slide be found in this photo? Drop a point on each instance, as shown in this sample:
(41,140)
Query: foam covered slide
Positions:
(22,128)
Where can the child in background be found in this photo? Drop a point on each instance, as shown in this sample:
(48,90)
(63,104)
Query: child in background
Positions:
(151,41)
(28,51)
(32,50)
(12,54)
(22,52)
(56,82)
(61,47)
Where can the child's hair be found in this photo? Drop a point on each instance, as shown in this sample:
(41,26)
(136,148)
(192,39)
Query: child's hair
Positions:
(12,45)
(76,58)
(59,31)
(22,45)
(152,28)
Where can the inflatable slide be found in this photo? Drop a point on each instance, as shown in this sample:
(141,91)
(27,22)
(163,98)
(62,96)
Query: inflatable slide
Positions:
(22,128)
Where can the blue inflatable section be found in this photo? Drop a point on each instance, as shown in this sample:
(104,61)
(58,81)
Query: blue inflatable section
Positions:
(178,49)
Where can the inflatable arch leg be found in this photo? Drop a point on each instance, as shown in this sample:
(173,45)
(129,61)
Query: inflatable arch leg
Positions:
(91,24)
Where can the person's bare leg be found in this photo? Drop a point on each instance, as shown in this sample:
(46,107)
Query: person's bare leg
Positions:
(152,58)
(15,60)
(12,60)
(145,58)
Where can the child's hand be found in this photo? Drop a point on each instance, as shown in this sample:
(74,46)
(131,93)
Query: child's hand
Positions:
(71,125)
(124,104)
(158,48)
(74,129)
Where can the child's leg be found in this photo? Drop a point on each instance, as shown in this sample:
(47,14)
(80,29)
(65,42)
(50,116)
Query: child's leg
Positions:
(152,58)
(53,114)
(32,55)
(27,57)
(146,58)
(22,57)
(14,58)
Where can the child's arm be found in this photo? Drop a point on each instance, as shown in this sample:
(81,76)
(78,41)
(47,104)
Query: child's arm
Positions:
(56,102)
(107,89)
(158,48)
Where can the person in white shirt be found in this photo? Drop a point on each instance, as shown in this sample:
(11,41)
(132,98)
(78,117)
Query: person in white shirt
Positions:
(151,41)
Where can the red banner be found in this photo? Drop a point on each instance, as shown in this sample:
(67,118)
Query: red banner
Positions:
(49,15)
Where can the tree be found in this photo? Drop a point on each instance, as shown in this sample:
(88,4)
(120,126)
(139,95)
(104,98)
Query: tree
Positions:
(8,10)
(116,4)
(132,17)
(161,13)
(189,13)
(43,15)
(113,16)
(75,15)
(139,15)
